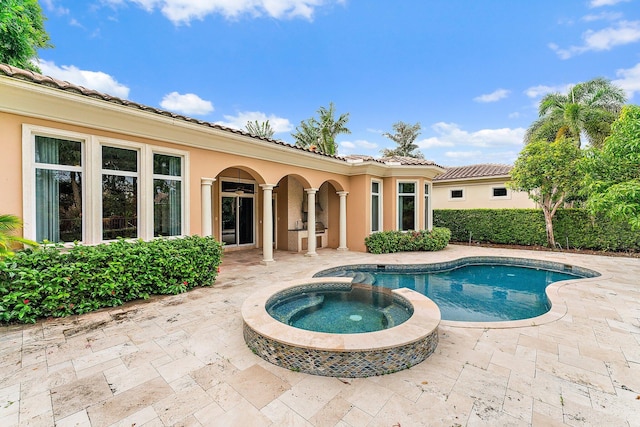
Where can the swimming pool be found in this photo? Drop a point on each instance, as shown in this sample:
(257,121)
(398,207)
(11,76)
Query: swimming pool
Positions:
(476,289)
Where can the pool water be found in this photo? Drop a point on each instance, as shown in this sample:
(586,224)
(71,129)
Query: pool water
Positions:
(355,311)
(476,293)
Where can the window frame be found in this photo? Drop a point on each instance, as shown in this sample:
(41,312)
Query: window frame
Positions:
(428,212)
(380,204)
(457,199)
(502,187)
(415,203)
(91,170)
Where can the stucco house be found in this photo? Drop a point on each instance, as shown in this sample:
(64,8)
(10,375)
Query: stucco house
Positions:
(477,186)
(80,165)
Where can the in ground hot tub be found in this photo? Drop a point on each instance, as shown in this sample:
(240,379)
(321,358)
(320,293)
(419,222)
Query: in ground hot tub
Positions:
(405,336)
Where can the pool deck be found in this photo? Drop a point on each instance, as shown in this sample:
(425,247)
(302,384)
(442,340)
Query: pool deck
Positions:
(181,360)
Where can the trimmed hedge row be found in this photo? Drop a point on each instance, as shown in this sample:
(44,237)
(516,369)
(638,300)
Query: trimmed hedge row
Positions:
(526,227)
(386,242)
(51,282)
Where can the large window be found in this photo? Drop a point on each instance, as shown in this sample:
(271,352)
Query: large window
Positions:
(167,195)
(407,213)
(119,193)
(58,189)
(87,188)
(376,206)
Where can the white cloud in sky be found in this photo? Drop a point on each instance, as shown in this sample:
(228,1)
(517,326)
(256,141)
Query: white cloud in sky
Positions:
(599,3)
(239,121)
(184,11)
(96,80)
(51,6)
(602,16)
(494,96)
(625,32)
(514,115)
(356,147)
(541,90)
(189,103)
(629,80)
(451,135)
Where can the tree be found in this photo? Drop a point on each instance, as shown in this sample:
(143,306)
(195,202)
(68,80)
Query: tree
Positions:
(8,225)
(612,174)
(548,171)
(22,33)
(587,109)
(405,137)
(320,134)
(261,129)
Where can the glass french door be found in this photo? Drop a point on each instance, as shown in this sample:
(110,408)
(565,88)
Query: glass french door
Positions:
(238,220)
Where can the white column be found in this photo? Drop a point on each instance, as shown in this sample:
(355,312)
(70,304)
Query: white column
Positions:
(267,224)
(205,187)
(343,220)
(311,221)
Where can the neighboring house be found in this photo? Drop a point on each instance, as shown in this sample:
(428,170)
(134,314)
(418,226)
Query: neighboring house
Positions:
(79,165)
(477,186)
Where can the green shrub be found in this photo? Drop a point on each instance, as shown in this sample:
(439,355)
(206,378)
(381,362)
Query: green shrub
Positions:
(386,242)
(51,282)
(526,227)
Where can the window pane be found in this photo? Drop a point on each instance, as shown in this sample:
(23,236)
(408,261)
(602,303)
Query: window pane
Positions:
(407,187)
(167,207)
(426,189)
(58,151)
(58,206)
(375,213)
(167,165)
(119,159)
(119,207)
(499,192)
(456,194)
(375,187)
(407,213)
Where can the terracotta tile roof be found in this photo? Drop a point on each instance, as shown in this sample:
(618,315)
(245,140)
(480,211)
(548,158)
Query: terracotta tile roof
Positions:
(30,76)
(474,171)
(33,77)
(408,161)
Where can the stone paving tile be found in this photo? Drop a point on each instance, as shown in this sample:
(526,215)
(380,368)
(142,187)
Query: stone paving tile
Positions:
(181,360)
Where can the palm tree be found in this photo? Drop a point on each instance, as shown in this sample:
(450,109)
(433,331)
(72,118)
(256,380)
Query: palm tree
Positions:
(8,225)
(587,109)
(405,137)
(260,129)
(321,133)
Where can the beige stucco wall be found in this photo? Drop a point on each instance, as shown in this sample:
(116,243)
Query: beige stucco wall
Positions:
(478,193)
(210,153)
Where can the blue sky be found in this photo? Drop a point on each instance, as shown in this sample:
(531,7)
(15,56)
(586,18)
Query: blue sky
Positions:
(471,72)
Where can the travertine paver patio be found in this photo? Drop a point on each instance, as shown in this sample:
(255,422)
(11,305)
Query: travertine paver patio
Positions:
(181,360)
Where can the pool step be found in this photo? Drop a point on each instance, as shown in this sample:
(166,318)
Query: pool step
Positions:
(287,309)
(394,314)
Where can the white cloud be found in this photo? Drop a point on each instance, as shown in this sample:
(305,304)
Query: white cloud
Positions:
(184,11)
(96,80)
(603,16)
(461,158)
(625,32)
(239,121)
(52,7)
(357,146)
(494,96)
(189,103)
(514,115)
(541,90)
(599,3)
(450,135)
(629,80)
(463,154)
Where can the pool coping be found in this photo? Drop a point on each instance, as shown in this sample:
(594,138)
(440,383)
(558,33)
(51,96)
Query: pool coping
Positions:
(423,322)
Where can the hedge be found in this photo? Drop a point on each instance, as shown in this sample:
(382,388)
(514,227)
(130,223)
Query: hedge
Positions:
(400,241)
(52,282)
(526,227)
